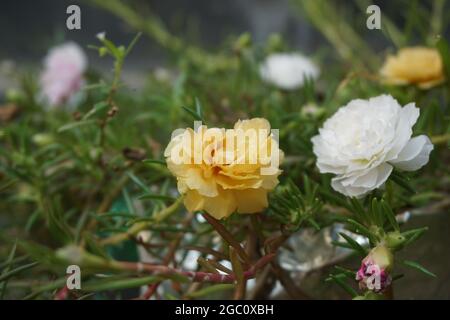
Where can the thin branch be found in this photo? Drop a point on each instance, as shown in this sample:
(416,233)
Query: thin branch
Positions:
(196,276)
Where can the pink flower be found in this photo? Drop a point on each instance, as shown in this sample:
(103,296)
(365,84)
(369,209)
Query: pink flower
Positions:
(372,277)
(64,66)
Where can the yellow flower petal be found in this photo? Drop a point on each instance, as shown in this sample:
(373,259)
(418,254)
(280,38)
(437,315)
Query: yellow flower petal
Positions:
(220,185)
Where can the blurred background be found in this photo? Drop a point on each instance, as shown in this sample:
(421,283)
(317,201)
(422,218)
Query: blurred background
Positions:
(28,28)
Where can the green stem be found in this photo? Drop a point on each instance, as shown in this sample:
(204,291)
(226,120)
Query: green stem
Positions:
(228,237)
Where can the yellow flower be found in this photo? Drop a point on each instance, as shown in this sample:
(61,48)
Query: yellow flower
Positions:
(223,171)
(414,65)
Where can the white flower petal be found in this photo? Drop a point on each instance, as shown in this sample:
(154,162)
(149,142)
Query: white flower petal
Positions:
(336,184)
(415,154)
(384,171)
(361,183)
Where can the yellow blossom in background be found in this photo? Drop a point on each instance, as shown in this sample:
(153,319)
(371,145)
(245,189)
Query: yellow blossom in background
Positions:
(420,66)
(223,171)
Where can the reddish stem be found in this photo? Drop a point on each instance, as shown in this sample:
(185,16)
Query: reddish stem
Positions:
(197,276)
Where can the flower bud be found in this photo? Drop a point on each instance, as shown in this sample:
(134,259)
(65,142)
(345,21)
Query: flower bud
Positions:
(101,36)
(374,274)
(395,240)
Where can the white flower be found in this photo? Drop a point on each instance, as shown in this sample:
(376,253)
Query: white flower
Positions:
(362,142)
(288,70)
(63,73)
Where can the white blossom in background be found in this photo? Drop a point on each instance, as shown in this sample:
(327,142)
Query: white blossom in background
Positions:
(364,140)
(62,76)
(288,70)
(144,236)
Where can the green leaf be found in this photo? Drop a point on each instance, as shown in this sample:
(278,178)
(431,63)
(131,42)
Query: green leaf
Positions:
(114,51)
(47,287)
(339,280)
(359,228)
(128,201)
(154,161)
(39,253)
(94,247)
(198,108)
(7,269)
(133,43)
(32,220)
(341,244)
(419,267)
(56,222)
(402,181)
(13,272)
(314,224)
(377,214)
(349,273)
(413,235)
(118,284)
(389,214)
(138,181)
(17,260)
(193,113)
(113,215)
(358,209)
(155,196)
(333,198)
(397,277)
(97,108)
